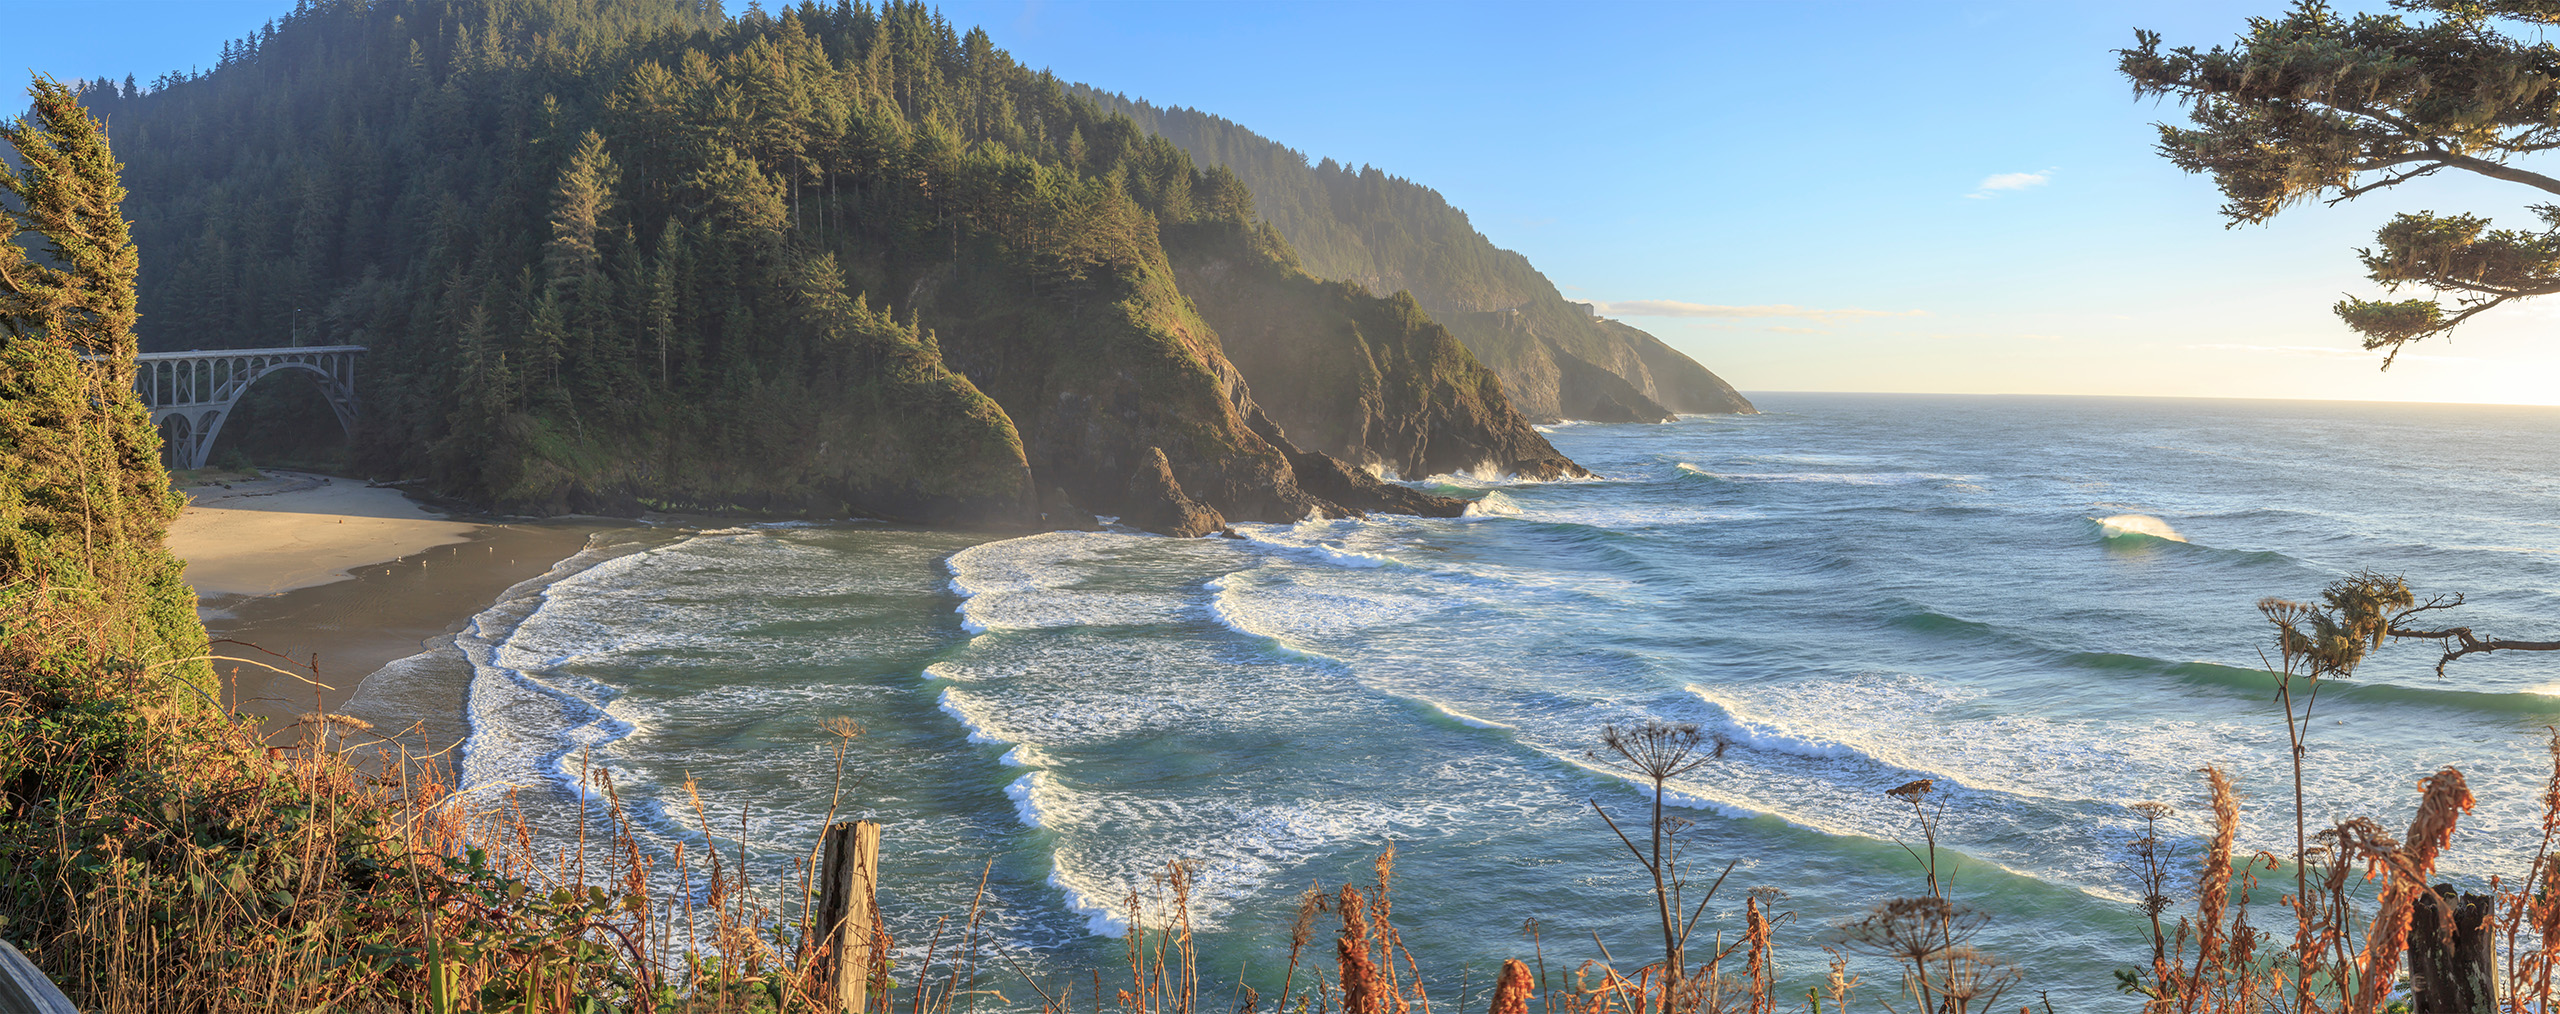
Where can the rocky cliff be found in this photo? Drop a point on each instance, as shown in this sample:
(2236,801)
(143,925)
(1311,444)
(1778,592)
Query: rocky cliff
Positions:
(1105,372)
(1559,362)
(1372,381)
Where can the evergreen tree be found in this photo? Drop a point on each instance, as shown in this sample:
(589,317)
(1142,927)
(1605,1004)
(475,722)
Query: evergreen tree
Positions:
(84,502)
(2315,105)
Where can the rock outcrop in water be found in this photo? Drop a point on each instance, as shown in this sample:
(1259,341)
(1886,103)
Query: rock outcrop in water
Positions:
(1156,503)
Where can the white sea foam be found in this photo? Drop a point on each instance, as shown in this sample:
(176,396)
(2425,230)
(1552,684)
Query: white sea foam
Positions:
(1052,718)
(1240,848)
(1763,735)
(1317,540)
(1464,718)
(1289,609)
(1024,755)
(523,728)
(1493,504)
(1918,728)
(1476,479)
(1026,800)
(1039,582)
(1688,798)
(2135,525)
(980,731)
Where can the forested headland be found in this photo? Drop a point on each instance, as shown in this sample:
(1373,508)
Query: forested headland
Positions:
(832,260)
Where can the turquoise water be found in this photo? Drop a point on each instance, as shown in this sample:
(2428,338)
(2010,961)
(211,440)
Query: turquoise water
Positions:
(2045,604)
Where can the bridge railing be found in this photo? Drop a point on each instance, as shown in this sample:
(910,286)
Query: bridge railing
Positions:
(149,357)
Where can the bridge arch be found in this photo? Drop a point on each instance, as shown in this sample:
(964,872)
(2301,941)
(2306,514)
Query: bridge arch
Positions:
(191,394)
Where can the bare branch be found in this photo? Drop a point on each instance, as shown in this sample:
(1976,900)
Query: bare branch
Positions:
(2460,641)
(2500,171)
(1622,836)
(2346,194)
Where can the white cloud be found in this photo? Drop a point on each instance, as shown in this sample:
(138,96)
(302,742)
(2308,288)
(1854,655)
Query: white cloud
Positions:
(1996,182)
(1675,308)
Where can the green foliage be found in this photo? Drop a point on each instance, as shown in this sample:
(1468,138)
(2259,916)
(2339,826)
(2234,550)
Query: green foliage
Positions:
(2354,616)
(84,502)
(2315,105)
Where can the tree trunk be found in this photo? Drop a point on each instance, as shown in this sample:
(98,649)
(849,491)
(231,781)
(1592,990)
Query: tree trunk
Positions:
(2453,969)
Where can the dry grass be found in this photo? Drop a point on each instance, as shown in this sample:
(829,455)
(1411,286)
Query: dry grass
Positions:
(159,858)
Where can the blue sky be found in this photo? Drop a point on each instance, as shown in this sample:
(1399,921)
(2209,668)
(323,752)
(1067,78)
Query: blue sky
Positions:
(1824,196)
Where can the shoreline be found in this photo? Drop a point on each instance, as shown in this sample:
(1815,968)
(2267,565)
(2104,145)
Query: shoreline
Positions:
(342,580)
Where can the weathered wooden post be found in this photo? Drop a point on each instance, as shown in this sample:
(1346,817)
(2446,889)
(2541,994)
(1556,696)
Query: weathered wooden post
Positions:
(2453,969)
(25,990)
(848,912)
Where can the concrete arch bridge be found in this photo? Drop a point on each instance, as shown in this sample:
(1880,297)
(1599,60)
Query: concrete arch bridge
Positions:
(192,393)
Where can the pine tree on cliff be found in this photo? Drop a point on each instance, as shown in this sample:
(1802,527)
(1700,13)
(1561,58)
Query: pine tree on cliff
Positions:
(84,503)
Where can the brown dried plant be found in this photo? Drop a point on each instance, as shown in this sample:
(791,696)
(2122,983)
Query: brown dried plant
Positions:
(1512,993)
(1929,937)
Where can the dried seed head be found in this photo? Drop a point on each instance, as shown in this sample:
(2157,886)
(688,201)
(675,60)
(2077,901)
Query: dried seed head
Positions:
(1913,791)
(1656,750)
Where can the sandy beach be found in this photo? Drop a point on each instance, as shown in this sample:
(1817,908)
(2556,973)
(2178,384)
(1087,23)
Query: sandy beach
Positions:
(295,530)
(346,578)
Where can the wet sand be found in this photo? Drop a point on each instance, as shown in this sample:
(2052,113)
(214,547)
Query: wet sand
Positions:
(351,629)
(349,579)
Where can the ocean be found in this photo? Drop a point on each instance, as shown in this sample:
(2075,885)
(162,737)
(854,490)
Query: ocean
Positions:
(2046,605)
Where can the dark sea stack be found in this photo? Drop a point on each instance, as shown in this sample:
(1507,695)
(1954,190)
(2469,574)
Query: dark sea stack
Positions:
(1156,503)
(1371,380)
(1329,477)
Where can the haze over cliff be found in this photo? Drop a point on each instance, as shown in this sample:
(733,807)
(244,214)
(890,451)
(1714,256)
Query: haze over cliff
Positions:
(1390,234)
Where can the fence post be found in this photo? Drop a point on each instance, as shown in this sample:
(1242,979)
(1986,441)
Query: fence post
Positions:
(2453,969)
(848,910)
